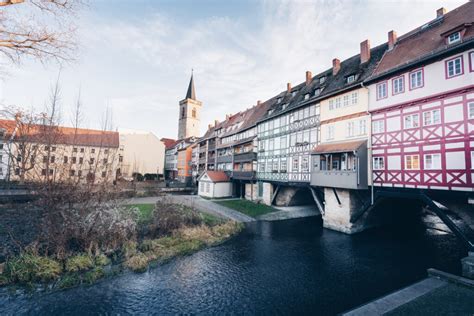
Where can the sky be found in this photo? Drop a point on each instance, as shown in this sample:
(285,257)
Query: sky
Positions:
(135,57)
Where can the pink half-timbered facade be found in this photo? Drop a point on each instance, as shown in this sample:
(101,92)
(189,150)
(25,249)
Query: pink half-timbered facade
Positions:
(422,110)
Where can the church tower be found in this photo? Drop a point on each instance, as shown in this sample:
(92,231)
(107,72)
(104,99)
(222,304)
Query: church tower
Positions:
(189,113)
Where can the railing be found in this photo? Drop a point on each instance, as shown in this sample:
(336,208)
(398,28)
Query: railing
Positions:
(248,156)
(224,159)
(211,147)
(211,160)
(244,175)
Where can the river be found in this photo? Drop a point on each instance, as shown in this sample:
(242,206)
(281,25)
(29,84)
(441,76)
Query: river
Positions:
(287,267)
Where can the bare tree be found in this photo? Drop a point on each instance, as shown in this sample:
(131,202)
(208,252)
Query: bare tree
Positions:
(42,29)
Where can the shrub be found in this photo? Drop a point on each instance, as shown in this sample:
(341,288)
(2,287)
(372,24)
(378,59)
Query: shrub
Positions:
(32,268)
(129,249)
(69,280)
(92,276)
(102,260)
(4,280)
(79,263)
(168,217)
(137,263)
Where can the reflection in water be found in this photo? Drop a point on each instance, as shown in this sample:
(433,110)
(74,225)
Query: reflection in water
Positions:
(272,267)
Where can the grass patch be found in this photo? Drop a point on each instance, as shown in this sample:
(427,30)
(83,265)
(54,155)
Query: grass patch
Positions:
(211,220)
(28,268)
(145,211)
(248,208)
(79,263)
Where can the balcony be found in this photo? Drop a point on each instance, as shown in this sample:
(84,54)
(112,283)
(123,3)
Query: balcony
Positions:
(248,156)
(202,160)
(339,179)
(243,175)
(222,159)
(211,147)
(211,160)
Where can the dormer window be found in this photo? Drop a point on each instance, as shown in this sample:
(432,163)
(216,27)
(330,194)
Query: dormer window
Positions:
(322,80)
(306,96)
(270,112)
(350,79)
(278,100)
(293,93)
(317,92)
(284,106)
(454,38)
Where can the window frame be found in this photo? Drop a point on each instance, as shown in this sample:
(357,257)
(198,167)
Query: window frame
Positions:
(422,71)
(432,116)
(405,159)
(402,77)
(446,67)
(471,61)
(425,165)
(456,40)
(378,129)
(377,86)
(411,115)
(470,114)
(378,166)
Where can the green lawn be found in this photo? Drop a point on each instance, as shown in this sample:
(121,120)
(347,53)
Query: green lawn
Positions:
(247,207)
(146,211)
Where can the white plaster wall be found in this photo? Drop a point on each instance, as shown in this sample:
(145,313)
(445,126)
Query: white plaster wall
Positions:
(142,152)
(222,189)
(251,191)
(267,193)
(360,106)
(434,82)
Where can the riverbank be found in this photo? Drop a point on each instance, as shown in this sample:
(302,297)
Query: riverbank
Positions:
(440,294)
(163,232)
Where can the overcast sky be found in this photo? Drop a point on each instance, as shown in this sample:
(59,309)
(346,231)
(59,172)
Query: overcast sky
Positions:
(136,56)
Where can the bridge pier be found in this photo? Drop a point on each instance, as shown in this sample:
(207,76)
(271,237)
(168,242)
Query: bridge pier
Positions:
(342,210)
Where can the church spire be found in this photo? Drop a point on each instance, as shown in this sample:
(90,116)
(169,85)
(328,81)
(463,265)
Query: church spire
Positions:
(191,94)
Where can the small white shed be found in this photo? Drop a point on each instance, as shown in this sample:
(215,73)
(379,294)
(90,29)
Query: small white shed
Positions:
(214,184)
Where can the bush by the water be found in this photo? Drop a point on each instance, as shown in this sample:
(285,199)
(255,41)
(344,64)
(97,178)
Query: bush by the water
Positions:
(29,267)
(79,263)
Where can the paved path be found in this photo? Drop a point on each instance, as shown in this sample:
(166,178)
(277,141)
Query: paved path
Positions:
(200,204)
(289,212)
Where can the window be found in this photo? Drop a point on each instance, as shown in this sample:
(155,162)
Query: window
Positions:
(275,165)
(470,108)
(72,172)
(91,161)
(338,103)
(81,160)
(416,79)
(432,161)
(74,150)
(381,90)
(317,92)
(295,165)
(471,61)
(53,148)
(93,150)
(398,85)
(378,126)
(455,37)
(346,100)
(412,162)
(65,159)
(43,172)
(293,93)
(454,67)
(431,117)
(330,132)
(104,174)
(322,80)
(278,100)
(362,127)
(350,129)
(182,112)
(305,164)
(82,150)
(378,163)
(51,171)
(331,104)
(74,159)
(105,161)
(355,96)
(350,79)
(283,165)
(193,113)
(306,96)
(412,121)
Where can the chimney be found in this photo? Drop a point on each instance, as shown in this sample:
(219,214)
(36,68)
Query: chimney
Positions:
(440,12)
(309,76)
(209,126)
(288,87)
(259,102)
(392,39)
(364,51)
(336,65)
(227,116)
(216,122)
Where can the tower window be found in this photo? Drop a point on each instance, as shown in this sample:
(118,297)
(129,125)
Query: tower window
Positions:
(182,113)
(194,113)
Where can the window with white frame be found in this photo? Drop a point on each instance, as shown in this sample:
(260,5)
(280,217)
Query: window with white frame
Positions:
(338,102)
(398,85)
(381,90)
(470,108)
(283,165)
(295,164)
(432,162)
(362,127)
(322,80)
(304,164)
(350,78)
(412,162)
(306,96)
(350,129)
(354,97)
(345,100)
(378,126)
(317,92)
(416,79)
(472,159)
(471,61)
(331,104)
(431,117)
(411,121)
(378,163)
(454,67)
(330,132)
(454,38)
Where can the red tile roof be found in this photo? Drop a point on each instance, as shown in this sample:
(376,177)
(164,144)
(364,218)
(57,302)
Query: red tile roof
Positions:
(169,143)
(428,39)
(217,176)
(65,135)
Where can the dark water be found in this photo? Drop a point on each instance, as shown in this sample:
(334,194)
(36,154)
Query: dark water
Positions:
(290,267)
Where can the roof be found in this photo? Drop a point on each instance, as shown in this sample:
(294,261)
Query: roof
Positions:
(169,143)
(428,40)
(339,147)
(216,176)
(64,135)
(332,84)
(191,94)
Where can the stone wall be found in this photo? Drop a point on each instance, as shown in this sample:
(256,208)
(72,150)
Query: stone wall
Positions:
(251,191)
(267,193)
